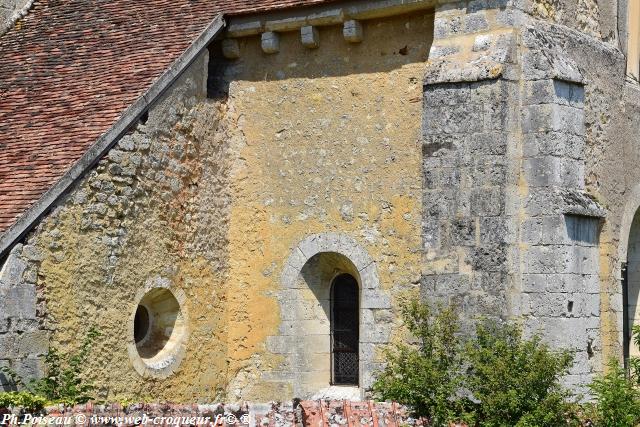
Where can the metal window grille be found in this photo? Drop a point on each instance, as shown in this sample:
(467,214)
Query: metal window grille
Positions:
(345,334)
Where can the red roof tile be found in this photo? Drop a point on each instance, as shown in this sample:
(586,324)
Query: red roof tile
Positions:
(69,70)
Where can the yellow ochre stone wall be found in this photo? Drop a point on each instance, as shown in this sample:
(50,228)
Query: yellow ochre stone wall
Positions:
(330,143)
(210,196)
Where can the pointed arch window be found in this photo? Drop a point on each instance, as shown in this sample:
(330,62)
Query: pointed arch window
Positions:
(345,336)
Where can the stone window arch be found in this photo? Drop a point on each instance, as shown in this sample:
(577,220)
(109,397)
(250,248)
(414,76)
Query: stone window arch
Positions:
(304,336)
(631,287)
(628,270)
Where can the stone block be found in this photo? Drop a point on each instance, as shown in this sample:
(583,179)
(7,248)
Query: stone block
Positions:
(540,92)
(374,298)
(270,42)
(586,305)
(572,173)
(352,31)
(475,22)
(427,286)
(491,143)
(583,260)
(297,259)
(552,117)
(309,246)
(288,327)
(29,368)
(281,344)
(488,258)
(494,92)
(446,94)
(33,343)
(487,201)
(496,116)
(548,304)
(437,51)
(463,231)
(457,119)
(451,284)
(368,351)
(493,230)
(313,327)
(360,258)
(317,343)
(439,203)
(440,145)
(482,42)
(488,171)
(9,346)
(542,171)
(547,259)
(289,277)
(539,283)
(32,253)
(19,301)
(369,277)
(553,144)
(12,270)
(310,37)
(380,334)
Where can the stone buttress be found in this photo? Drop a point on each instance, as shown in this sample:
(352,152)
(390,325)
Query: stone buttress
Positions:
(508,229)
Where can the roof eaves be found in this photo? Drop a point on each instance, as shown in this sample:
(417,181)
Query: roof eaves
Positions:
(131,115)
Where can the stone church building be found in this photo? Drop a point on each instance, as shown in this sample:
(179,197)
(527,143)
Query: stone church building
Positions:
(239,195)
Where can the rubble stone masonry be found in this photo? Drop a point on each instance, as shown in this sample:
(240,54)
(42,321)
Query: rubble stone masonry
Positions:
(484,153)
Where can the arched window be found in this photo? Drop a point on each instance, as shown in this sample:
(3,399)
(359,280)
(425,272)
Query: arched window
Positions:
(633,39)
(631,288)
(345,334)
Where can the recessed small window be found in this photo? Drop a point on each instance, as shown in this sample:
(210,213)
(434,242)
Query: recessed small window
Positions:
(158,332)
(141,324)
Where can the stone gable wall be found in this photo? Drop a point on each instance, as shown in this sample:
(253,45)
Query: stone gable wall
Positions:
(484,155)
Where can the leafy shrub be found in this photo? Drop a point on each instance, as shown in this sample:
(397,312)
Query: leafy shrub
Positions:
(22,399)
(494,379)
(516,381)
(617,398)
(426,375)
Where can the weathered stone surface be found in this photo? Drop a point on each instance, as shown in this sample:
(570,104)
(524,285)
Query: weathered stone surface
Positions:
(515,198)
(270,42)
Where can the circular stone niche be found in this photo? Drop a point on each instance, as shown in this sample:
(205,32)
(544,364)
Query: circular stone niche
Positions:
(159,329)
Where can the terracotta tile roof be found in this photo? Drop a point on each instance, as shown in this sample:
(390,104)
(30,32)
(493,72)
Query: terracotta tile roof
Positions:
(70,68)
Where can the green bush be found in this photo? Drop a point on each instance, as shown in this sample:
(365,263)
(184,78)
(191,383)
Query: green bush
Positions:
(494,379)
(22,399)
(515,381)
(426,375)
(617,398)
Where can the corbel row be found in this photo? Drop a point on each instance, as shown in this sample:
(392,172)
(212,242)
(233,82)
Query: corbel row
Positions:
(309,37)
